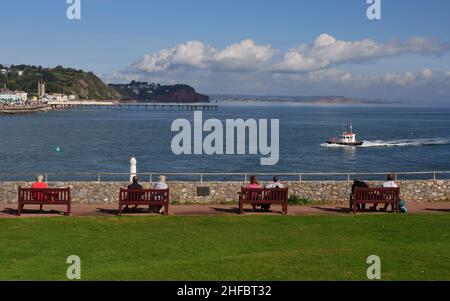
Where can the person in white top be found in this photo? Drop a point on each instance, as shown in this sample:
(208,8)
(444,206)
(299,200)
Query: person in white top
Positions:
(275,184)
(161,184)
(388,184)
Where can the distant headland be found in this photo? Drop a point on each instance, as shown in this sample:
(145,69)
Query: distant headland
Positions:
(81,85)
(320,100)
(144,92)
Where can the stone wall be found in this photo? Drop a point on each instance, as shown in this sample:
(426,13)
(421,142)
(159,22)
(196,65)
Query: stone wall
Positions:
(224,192)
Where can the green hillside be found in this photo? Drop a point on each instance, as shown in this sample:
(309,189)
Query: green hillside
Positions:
(85,85)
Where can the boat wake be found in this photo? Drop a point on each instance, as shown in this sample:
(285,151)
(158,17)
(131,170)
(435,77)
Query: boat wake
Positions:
(406,142)
(398,143)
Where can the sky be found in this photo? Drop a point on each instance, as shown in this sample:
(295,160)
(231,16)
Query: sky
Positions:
(258,47)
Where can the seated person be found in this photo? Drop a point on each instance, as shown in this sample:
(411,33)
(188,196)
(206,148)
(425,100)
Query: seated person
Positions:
(275,184)
(134,186)
(357,183)
(253,184)
(39,182)
(161,184)
(389,184)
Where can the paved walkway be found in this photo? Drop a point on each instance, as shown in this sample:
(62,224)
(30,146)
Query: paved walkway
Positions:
(9,211)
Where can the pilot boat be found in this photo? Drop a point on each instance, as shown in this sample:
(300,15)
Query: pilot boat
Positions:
(346,138)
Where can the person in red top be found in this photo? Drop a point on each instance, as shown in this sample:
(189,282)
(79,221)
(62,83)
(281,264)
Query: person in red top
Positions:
(39,182)
(253,184)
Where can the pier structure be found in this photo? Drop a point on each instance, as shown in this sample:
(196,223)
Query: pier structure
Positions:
(148,106)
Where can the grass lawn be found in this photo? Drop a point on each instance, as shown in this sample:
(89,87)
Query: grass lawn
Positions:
(411,247)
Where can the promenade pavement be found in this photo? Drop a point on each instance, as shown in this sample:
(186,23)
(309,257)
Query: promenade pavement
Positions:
(9,210)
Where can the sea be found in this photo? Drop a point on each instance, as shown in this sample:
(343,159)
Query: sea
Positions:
(77,144)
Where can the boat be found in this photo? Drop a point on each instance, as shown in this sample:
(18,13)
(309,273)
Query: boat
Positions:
(24,109)
(347,138)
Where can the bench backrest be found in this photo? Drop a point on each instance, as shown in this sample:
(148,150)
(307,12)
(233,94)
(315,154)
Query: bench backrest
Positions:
(377,194)
(44,194)
(266,194)
(143,195)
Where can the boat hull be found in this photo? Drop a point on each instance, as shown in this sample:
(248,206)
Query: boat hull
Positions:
(356,143)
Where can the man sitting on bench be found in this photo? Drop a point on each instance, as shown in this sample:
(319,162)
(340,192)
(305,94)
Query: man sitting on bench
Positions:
(135,186)
(275,184)
(357,183)
(388,184)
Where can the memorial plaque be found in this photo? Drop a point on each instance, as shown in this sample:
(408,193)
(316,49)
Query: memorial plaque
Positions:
(202,191)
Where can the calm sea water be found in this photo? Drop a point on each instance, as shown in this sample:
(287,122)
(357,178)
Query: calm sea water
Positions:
(395,139)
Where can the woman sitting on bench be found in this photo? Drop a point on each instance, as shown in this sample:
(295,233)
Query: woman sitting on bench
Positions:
(253,184)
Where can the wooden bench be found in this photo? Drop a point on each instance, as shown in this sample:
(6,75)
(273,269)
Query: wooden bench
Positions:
(376,196)
(144,197)
(43,196)
(261,196)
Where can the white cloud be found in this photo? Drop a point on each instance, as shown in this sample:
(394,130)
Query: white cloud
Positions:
(247,56)
(401,79)
(243,56)
(193,54)
(427,73)
(327,51)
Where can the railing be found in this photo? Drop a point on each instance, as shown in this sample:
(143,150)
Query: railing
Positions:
(203,176)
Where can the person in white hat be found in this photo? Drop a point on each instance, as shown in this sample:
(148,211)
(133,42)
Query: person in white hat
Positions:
(161,184)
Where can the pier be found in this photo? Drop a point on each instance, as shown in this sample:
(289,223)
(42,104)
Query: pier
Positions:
(150,106)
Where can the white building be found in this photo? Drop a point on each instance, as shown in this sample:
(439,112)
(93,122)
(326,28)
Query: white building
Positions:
(10,98)
(56,97)
(23,95)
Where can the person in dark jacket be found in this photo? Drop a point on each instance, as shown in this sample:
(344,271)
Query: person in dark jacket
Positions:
(357,183)
(134,186)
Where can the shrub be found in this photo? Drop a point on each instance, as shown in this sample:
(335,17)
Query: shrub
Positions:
(296,200)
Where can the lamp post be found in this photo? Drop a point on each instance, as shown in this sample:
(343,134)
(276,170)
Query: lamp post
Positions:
(133,169)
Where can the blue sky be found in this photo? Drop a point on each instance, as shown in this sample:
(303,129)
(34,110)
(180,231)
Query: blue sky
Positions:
(113,37)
